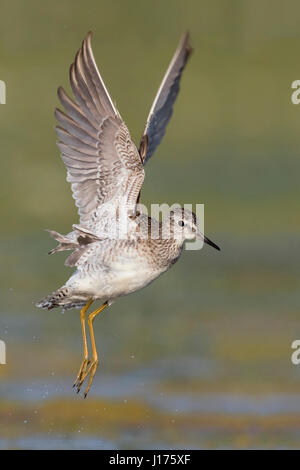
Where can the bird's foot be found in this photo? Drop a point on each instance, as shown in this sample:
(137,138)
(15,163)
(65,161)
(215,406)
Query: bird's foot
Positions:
(82,372)
(88,373)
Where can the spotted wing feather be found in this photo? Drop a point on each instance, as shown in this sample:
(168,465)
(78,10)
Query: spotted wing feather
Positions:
(103,164)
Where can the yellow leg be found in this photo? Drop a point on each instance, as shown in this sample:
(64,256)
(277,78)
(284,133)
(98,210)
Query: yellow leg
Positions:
(94,363)
(85,360)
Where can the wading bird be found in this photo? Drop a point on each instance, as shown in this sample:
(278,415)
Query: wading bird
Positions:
(106,172)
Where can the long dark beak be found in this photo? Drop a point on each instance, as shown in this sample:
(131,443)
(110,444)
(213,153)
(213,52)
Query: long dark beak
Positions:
(209,242)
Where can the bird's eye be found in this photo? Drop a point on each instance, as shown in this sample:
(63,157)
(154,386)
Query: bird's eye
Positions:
(181,223)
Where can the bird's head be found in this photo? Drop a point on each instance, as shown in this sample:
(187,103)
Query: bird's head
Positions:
(184,226)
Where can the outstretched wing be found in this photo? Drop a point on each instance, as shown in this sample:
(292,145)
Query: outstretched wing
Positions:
(103,164)
(162,107)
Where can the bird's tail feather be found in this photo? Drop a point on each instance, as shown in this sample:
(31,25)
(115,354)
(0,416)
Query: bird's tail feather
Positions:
(63,297)
(64,243)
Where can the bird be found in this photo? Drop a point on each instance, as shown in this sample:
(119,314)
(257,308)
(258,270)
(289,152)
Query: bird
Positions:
(113,248)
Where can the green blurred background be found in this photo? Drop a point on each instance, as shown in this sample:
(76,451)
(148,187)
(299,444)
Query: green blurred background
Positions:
(201,358)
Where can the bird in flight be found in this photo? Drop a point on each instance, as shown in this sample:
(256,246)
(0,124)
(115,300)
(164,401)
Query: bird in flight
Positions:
(116,249)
